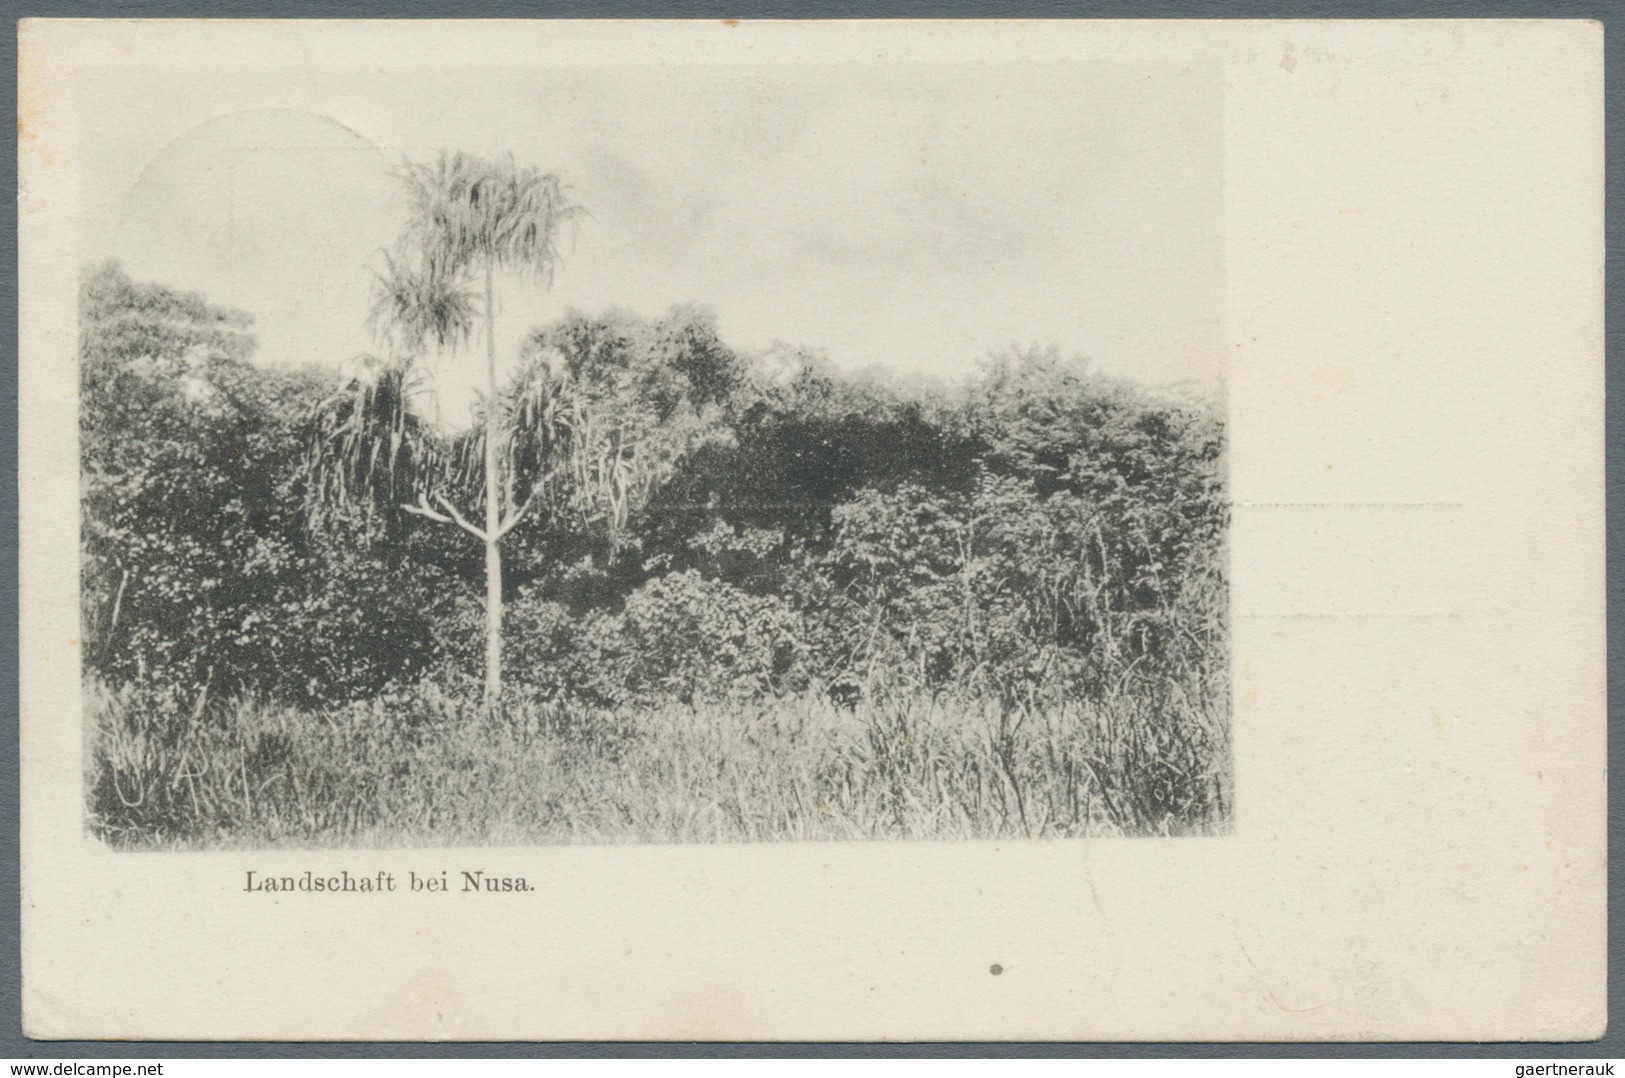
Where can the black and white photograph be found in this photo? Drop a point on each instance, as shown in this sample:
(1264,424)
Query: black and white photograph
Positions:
(723,454)
(779,531)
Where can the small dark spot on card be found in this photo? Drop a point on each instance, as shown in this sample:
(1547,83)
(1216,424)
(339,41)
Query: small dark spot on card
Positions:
(995,969)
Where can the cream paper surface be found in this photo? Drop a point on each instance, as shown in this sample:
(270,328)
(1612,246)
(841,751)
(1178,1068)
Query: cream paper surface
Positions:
(1413,258)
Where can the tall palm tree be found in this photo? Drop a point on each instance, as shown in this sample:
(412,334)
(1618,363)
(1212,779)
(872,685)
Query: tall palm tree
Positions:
(467,220)
(554,440)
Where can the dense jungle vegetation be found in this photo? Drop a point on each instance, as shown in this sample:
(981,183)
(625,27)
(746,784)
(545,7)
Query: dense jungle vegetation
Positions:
(743,598)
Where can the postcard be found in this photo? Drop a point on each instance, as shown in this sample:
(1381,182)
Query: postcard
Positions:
(852,530)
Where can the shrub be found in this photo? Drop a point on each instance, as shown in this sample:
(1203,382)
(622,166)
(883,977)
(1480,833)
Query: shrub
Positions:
(689,638)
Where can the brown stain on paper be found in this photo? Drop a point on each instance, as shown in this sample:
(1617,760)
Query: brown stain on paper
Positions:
(1270,992)
(31,102)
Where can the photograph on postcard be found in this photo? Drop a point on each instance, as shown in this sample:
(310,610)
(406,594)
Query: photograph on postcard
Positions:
(763,454)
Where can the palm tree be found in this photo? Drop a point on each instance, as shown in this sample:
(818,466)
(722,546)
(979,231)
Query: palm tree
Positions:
(562,441)
(468,219)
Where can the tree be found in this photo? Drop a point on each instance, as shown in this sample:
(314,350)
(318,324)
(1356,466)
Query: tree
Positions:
(467,219)
(188,454)
(200,574)
(568,446)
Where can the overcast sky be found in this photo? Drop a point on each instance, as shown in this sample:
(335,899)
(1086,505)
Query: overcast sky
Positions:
(912,217)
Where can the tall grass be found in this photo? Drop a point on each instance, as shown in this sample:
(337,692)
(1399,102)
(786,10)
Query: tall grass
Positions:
(424,768)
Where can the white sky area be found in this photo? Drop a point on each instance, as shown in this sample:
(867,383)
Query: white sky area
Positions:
(907,217)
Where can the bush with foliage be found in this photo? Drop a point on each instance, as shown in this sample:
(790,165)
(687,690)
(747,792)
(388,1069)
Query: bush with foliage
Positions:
(714,538)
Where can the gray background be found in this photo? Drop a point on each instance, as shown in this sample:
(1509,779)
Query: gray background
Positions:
(12,1042)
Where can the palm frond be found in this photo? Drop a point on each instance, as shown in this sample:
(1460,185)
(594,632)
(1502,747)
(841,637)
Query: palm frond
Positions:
(419,304)
(369,452)
(465,212)
(465,215)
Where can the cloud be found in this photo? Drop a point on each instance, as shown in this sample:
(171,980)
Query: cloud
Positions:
(905,216)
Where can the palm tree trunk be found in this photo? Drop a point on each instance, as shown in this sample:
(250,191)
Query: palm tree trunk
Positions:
(493,556)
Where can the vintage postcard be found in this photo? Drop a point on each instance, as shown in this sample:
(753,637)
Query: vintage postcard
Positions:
(798,531)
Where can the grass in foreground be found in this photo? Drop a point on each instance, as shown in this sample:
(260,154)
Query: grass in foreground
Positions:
(424,768)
